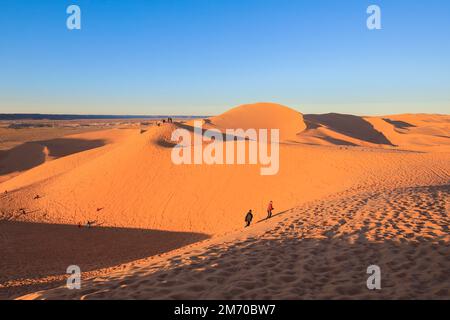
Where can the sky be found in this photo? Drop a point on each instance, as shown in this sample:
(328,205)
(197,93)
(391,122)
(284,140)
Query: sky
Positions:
(202,57)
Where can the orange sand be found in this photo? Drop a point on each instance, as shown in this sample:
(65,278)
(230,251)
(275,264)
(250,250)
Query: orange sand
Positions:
(351,191)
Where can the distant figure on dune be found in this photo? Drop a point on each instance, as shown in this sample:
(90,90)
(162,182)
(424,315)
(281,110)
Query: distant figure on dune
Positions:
(169,120)
(269,209)
(37,197)
(90,223)
(249,218)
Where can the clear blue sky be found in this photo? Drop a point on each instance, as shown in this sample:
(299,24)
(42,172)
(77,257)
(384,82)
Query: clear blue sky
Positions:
(205,56)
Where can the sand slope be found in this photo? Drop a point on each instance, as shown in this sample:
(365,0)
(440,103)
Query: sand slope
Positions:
(132,184)
(419,132)
(262,116)
(428,133)
(317,251)
(137,185)
(32,154)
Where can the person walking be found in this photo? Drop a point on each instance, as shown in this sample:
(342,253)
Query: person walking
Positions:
(269,210)
(248,218)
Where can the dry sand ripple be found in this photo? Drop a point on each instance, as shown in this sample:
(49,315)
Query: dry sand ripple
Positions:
(319,250)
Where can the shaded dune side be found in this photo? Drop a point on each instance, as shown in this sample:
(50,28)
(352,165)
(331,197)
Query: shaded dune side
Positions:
(31,251)
(426,133)
(418,132)
(32,154)
(348,125)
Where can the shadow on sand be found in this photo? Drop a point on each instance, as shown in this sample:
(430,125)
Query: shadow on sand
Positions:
(290,268)
(399,124)
(31,154)
(273,215)
(34,250)
(181,125)
(352,126)
(293,261)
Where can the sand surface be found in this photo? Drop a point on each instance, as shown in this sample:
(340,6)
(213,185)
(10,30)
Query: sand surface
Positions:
(351,191)
(317,251)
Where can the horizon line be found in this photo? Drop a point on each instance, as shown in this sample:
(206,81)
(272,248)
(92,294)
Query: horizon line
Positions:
(41,116)
(74,116)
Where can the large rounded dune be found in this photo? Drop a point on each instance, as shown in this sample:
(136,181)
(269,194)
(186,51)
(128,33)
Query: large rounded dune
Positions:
(262,115)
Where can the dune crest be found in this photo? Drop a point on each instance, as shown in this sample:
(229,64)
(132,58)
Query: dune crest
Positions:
(262,115)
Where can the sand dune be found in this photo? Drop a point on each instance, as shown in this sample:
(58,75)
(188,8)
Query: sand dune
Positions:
(351,126)
(36,251)
(425,133)
(262,116)
(339,175)
(317,251)
(32,154)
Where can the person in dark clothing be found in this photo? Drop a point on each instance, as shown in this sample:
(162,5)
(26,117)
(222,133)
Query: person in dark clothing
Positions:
(269,210)
(248,218)
(90,224)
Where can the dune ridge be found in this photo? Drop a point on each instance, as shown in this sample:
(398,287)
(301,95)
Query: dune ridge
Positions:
(340,166)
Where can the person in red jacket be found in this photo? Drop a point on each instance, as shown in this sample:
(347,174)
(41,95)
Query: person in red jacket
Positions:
(269,209)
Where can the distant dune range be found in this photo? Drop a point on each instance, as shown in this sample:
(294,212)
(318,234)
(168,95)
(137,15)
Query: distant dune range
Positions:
(125,179)
(39,116)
